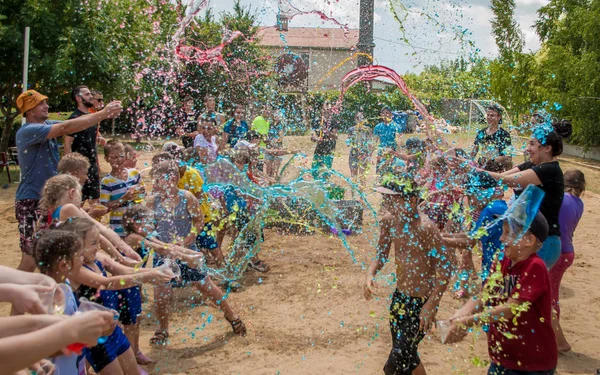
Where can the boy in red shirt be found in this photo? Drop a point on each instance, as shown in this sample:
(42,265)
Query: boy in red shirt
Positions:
(518,310)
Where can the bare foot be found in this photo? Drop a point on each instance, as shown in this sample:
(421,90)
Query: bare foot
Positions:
(142,359)
(564,348)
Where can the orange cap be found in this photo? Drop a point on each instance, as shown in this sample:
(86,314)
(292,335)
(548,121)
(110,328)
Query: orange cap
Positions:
(29,99)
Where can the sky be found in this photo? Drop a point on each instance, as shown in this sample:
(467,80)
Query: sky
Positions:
(436,30)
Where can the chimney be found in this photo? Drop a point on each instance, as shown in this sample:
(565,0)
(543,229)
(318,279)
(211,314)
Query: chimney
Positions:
(282,22)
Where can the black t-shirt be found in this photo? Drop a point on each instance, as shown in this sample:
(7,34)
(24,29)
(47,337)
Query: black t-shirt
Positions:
(190,126)
(553,185)
(84,142)
(496,143)
(326,130)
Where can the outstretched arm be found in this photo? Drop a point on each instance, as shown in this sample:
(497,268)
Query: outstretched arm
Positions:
(80,123)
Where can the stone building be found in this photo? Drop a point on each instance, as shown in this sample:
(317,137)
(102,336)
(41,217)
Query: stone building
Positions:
(317,57)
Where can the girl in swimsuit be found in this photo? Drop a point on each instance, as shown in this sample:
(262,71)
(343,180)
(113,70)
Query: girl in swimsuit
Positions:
(61,200)
(114,356)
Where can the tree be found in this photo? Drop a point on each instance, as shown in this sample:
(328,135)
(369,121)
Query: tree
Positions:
(509,37)
(94,43)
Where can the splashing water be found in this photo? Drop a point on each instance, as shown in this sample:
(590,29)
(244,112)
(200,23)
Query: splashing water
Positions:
(289,11)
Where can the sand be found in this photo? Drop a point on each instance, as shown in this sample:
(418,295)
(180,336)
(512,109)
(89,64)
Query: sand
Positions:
(308,315)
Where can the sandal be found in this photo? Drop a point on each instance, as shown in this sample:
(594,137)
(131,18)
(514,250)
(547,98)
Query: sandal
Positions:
(259,266)
(239,328)
(161,337)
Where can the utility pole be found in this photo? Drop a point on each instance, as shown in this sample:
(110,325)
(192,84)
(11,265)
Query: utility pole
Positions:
(365,32)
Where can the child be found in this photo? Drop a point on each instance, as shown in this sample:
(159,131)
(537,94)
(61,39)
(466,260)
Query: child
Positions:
(178,219)
(119,189)
(206,141)
(235,129)
(423,268)
(61,200)
(130,157)
(480,190)
(519,308)
(58,254)
(92,282)
(362,145)
(139,225)
(77,166)
(570,213)
(274,142)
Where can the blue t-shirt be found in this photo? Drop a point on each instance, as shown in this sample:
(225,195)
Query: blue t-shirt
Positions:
(240,132)
(38,158)
(491,242)
(387,134)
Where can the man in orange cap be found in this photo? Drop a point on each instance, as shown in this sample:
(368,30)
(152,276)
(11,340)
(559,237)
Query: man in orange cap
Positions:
(37,148)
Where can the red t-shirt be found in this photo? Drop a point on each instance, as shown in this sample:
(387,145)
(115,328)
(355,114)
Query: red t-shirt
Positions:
(533,344)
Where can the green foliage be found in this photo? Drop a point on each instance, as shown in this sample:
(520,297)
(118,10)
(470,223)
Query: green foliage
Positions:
(509,38)
(95,43)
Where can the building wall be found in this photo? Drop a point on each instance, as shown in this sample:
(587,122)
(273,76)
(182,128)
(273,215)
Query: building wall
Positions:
(321,62)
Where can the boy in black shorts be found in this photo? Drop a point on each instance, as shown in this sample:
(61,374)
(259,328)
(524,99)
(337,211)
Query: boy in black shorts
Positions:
(423,268)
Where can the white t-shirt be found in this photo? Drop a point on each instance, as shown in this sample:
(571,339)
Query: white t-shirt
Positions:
(211,146)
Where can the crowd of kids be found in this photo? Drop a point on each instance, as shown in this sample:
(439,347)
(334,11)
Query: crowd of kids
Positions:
(440,207)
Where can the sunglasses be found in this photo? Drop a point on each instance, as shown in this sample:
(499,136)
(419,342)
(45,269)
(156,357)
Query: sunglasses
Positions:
(99,99)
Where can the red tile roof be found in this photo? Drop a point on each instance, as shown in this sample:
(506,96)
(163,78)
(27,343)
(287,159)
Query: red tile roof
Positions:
(315,37)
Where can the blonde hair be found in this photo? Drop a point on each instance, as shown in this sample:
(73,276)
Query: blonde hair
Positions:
(112,146)
(56,188)
(72,163)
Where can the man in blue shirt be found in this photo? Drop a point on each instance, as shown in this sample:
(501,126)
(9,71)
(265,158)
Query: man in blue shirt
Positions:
(38,155)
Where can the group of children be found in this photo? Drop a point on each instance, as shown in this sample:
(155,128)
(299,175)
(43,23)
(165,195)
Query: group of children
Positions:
(175,223)
(437,203)
(432,211)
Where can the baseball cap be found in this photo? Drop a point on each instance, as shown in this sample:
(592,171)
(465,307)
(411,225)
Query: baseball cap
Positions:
(539,227)
(398,186)
(29,99)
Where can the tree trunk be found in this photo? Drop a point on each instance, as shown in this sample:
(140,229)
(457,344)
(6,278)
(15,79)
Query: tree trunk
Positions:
(8,125)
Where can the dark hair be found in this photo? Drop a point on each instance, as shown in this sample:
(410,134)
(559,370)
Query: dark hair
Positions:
(77,91)
(208,96)
(209,119)
(135,215)
(496,108)
(554,139)
(78,225)
(574,182)
(97,92)
(52,246)
(252,135)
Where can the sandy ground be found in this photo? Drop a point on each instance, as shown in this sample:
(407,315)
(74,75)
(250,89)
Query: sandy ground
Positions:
(308,316)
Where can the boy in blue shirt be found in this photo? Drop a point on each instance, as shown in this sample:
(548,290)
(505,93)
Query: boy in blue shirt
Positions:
(386,131)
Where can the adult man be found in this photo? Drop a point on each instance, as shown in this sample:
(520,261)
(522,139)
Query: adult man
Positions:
(84,142)
(38,156)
